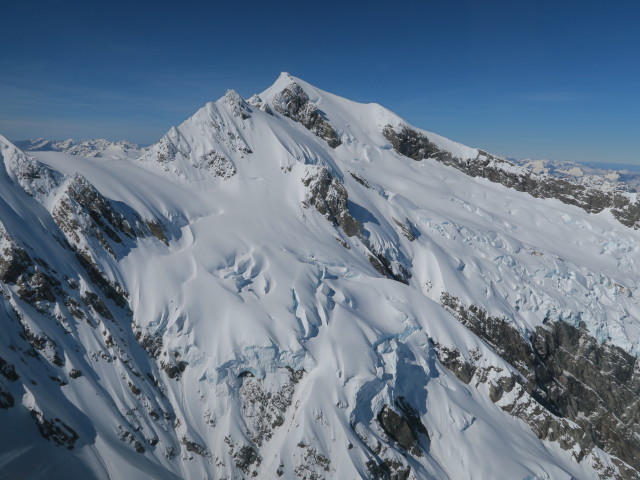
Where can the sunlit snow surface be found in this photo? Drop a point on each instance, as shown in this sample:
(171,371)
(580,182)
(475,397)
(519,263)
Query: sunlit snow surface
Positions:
(254,281)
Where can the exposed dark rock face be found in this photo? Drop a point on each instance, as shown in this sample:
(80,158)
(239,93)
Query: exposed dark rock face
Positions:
(34,177)
(92,300)
(84,212)
(264,411)
(293,102)
(41,342)
(174,367)
(239,108)
(569,376)
(55,430)
(6,399)
(257,102)
(14,260)
(244,456)
(405,427)
(36,282)
(151,343)
(112,290)
(167,151)
(362,181)
(220,165)
(194,447)
(417,146)
(85,216)
(412,144)
(315,466)
(408,229)
(384,266)
(388,470)
(37,287)
(452,360)
(155,227)
(329,196)
(130,438)
(8,370)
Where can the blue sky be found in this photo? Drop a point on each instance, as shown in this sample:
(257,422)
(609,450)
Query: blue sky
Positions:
(544,79)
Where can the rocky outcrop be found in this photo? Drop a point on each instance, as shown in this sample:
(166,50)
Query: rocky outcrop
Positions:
(293,102)
(55,430)
(417,146)
(388,470)
(570,388)
(387,265)
(257,102)
(315,466)
(404,427)
(329,196)
(222,123)
(239,108)
(35,178)
(264,410)
(245,457)
(408,229)
(14,260)
(220,165)
(166,150)
(84,208)
(8,371)
(35,281)
(84,214)
(412,144)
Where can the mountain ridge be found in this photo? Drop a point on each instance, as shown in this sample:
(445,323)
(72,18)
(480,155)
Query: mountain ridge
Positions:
(250,297)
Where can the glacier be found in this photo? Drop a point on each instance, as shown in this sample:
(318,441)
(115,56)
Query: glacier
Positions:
(301,286)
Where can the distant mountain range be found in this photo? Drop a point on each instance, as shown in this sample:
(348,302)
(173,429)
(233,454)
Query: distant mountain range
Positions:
(87,148)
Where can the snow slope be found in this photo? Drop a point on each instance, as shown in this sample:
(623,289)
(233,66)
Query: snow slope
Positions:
(263,293)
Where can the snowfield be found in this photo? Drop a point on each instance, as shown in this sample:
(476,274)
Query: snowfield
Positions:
(243,299)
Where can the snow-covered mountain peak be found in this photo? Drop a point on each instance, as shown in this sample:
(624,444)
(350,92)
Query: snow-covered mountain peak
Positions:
(225,132)
(207,144)
(362,123)
(302,286)
(283,81)
(36,179)
(299,87)
(237,104)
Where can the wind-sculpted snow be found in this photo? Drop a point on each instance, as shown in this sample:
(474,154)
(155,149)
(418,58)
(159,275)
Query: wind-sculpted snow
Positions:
(251,299)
